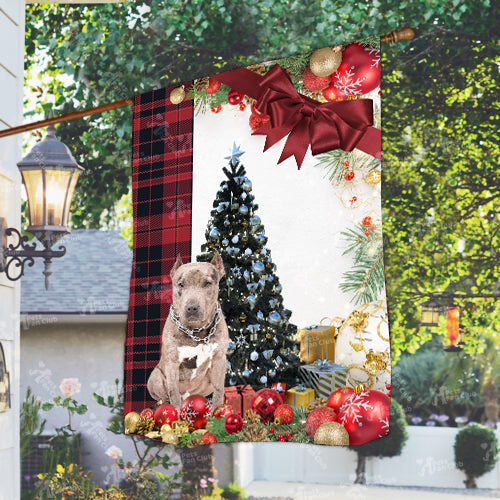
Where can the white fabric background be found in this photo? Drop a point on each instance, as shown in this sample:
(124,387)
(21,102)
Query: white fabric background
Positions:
(301,211)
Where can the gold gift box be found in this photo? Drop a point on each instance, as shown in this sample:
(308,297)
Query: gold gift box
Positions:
(317,342)
(299,396)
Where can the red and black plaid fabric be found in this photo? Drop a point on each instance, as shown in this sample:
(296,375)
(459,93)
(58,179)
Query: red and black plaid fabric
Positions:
(162,172)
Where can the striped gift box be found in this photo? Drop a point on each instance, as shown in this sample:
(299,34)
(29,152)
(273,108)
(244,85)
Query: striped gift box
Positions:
(323,376)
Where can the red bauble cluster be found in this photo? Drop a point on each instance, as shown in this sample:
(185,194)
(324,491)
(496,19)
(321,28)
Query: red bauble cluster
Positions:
(367,221)
(148,413)
(208,438)
(233,423)
(234,97)
(265,402)
(213,86)
(284,438)
(349,176)
(365,416)
(313,82)
(285,413)
(165,414)
(338,397)
(195,410)
(257,119)
(222,411)
(317,417)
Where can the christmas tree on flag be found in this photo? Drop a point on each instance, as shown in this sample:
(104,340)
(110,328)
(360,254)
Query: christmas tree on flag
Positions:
(261,349)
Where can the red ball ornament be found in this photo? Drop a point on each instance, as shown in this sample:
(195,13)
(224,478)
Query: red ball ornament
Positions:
(313,82)
(365,416)
(388,387)
(332,93)
(288,435)
(216,109)
(208,438)
(359,72)
(265,402)
(243,106)
(271,430)
(195,410)
(367,232)
(338,397)
(285,413)
(165,414)
(317,417)
(234,97)
(257,121)
(349,176)
(233,423)
(367,221)
(222,411)
(148,413)
(213,86)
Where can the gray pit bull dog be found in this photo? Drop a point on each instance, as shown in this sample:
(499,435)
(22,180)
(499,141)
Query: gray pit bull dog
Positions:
(195,337)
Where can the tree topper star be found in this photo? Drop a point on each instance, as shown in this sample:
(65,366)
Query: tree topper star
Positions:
(234,154)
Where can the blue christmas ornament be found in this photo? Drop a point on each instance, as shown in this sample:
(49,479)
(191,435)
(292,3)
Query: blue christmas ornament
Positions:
(260,315)
(255,220)
(214,233)
(258,267)
(227,223)
(260,238)
(254,355)
(277,287)
(247,184)
(253,328)
(273,303)
(272,373)
(246,373)
(235,239)
(252,299)
(243,210)
(231,345)
(247,276)
(268,354)
(225,242)
(248,251)
(262,282)
(243,196)
(275,318)
(263,379)
(252,287)
(263,251)
(278,360)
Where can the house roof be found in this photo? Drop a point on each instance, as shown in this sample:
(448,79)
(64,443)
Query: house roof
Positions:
(92,278)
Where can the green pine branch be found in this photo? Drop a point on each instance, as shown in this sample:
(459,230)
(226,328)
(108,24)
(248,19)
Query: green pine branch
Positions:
(366,278)
(334,161)
(371,41)
(295,65)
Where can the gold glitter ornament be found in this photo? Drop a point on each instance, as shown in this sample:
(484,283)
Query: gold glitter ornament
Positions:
(131,420)
(332,434)
(180,427)
(177,95)
(358,320)
(375,362)
(153,435)
(144,425)
(373,177)
(170,437)
(325,61)
(165,428)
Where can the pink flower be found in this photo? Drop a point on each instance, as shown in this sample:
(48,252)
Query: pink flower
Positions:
(70,386)
(203,483)
(114,452)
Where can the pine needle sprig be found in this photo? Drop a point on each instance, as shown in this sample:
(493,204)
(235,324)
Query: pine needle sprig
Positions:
(204,102)
(366,278)
(370,41)
(295,65)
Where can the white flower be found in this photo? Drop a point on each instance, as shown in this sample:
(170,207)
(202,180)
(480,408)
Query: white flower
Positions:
(114,452)
(70,386)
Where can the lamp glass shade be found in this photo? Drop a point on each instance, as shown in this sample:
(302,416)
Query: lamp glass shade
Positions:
(429,314)
(49,191)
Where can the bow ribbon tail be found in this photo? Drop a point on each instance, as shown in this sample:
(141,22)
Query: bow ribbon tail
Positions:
(297,142)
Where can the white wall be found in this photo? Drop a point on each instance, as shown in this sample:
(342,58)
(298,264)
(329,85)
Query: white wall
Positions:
(427,460)
(11,88)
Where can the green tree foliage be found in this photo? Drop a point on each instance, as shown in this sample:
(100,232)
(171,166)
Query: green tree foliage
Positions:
(476,452)
(440,183)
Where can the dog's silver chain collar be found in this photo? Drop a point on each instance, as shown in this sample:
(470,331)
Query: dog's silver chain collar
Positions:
(191,332)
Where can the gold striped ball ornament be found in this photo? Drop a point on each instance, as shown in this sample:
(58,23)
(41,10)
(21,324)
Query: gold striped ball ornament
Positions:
(177,95)
(373,178)
(131,420)
(325,61)
(332,434)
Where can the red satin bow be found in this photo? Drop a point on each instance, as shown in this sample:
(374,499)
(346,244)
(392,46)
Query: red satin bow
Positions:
(324,126)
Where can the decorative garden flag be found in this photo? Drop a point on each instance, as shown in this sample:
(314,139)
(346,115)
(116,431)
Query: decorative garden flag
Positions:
(257,296)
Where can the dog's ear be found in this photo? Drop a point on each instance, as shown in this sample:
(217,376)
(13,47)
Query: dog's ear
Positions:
(217,263)
(178,263)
